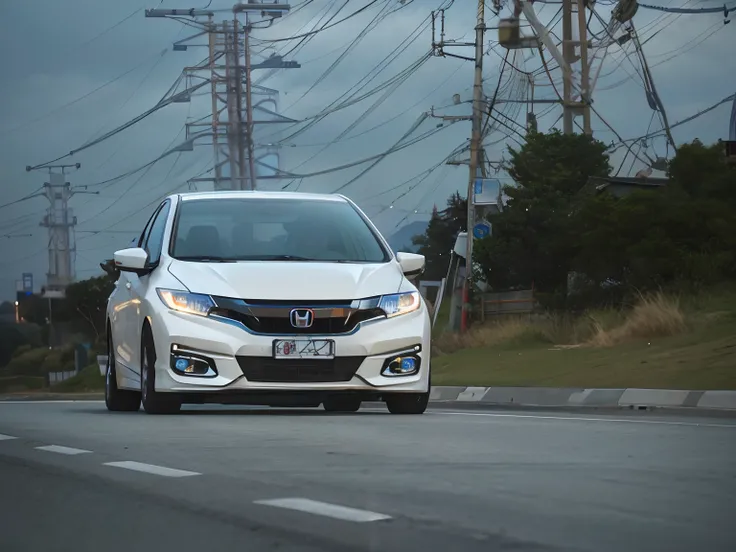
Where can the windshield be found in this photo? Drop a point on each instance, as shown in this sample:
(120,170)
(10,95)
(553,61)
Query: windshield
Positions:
(222,230)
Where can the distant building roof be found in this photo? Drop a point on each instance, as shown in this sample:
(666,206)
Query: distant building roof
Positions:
(619,186)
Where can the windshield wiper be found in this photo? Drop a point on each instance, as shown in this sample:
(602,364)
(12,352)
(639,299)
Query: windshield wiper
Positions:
(206,259)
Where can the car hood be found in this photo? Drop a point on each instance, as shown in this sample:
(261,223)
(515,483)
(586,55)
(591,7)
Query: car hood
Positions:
(276,280)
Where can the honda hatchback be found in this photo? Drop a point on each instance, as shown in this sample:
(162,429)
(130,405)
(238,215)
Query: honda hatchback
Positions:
(279,299)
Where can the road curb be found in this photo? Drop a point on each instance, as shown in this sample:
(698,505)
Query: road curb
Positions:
(546,397)
(527,397)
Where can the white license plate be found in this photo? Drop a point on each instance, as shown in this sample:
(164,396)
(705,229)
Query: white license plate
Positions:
(304,348)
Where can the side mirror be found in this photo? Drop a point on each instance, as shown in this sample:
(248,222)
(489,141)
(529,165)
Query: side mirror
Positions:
(110,269)
(411,263)
(134,259)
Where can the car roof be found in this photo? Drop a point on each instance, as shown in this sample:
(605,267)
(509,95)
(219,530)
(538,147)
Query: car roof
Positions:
(247,194)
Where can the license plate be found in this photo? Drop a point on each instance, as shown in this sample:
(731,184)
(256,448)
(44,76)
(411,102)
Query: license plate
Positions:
(304,348)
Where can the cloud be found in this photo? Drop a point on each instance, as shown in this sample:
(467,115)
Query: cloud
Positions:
(63,50)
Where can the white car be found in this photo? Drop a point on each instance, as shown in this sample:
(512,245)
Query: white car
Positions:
(279,299)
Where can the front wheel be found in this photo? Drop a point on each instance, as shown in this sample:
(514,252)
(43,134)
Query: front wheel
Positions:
(407,403)
(153,401)
(118,400)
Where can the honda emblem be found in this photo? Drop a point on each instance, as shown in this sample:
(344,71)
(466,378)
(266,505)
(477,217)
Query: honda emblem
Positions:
(301,318)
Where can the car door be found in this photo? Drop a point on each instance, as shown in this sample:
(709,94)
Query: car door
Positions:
(120,313)
(153,244)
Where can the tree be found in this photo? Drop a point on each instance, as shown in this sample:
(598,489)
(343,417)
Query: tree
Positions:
(534,239)
(438,240)
(85,303)
(683,235)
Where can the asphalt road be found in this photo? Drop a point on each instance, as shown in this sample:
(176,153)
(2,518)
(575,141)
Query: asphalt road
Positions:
(74,477)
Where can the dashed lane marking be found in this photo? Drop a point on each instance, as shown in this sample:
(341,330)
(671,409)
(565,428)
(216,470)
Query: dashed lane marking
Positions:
(324,509)
(152,469)
(6,437)
(63,450)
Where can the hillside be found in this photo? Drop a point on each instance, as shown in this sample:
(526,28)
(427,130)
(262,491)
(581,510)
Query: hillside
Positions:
(400,240)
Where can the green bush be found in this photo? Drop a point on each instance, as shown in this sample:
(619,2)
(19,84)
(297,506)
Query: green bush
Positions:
(88,379)
(29,363)
(21,350)
(11,384)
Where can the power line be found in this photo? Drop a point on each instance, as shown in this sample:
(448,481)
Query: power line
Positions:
(79,99)
(357,12)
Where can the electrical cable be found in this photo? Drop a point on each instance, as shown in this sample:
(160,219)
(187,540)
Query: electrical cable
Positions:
(359,37)
(359,162)
(77,100)
(352,100)
(700,113)
(24,198)
(132,94)
(391,119)
(308,38)
(357,12)
(408,133)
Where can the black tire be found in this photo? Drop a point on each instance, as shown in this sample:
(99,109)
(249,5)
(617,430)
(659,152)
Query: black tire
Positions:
(341,404)
(118,400)
(407,403)
(154,402)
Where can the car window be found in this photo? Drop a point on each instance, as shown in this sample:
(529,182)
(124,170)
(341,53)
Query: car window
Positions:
(146,229)
(155,239)
(274,229)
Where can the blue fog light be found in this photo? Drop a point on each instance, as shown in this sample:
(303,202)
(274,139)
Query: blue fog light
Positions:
(181,364)
(401,366)
(408,364)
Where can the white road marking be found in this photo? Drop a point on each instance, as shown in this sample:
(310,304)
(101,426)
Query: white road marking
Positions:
(6,437)
(580,419)
(150,468)
(63,450)
(324,509)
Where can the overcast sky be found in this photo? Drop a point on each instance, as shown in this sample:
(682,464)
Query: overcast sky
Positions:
(75,69)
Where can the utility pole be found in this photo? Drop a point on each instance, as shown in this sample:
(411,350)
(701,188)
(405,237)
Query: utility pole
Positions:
(476,139)
(576,96)
(568,53)
(573,108)
(475,158)
(584,67)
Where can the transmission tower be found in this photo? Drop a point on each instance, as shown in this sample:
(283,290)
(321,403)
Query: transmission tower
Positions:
(60,221)
(235,99)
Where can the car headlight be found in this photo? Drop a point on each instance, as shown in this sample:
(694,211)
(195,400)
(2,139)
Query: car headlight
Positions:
(183,301)
(400,303)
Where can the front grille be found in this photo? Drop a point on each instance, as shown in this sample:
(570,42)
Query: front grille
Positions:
(270,370)
(273,317)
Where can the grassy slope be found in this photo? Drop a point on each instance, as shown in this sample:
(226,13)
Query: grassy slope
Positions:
(703,357)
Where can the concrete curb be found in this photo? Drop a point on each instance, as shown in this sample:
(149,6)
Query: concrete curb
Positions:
(578,397)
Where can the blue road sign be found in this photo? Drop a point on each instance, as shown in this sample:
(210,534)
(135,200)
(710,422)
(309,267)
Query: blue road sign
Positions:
(481,230)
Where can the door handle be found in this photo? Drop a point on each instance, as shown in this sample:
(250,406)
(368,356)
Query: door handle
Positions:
(127,285)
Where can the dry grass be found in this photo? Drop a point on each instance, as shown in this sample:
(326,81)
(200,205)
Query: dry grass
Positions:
(656,315)
(496,333)
(661,342)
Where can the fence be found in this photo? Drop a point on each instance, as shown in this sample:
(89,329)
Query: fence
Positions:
(58,377)
(509,302)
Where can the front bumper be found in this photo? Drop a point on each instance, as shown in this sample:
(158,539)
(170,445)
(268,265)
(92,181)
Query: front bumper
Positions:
(233,348)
